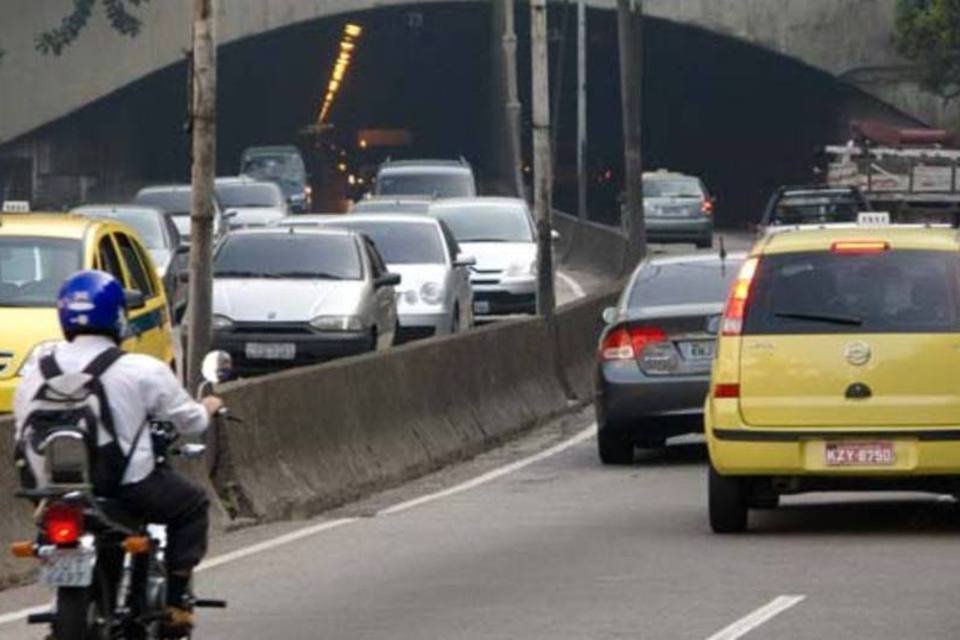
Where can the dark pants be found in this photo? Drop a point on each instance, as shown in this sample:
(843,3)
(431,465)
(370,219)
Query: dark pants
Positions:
(165,497)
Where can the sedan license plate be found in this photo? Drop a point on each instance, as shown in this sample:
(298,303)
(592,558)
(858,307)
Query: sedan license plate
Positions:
(481,306)
(860,454)
(68,568)
(699,350)
(271,350)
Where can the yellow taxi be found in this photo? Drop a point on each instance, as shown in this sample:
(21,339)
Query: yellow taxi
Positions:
(837,368)
(37,253)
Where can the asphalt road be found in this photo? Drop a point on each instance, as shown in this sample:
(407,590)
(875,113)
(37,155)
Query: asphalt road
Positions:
(564,548)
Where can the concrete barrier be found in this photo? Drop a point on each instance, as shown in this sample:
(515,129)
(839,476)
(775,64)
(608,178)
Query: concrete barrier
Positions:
(16,522)
(589,246)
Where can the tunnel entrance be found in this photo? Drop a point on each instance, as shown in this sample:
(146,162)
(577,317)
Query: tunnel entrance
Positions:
(743,119)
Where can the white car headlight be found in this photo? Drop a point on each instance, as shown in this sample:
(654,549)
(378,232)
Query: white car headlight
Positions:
(31,361)
(337,323)
(431,293)
(519,269)
(222,323)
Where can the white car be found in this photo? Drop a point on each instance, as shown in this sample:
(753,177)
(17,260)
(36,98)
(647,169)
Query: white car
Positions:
(249,202)
(499,233)
(436,297)
(291,296)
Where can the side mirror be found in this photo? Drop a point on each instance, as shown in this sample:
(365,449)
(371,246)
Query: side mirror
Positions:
(183,248)
(610,315)
(713,324)
(217,367)
(135,299)
(387,280)
(465,261)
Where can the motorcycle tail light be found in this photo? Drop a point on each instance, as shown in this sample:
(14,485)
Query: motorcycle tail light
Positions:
(63,524)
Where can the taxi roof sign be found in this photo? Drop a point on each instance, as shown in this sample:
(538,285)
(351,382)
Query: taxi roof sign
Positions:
(873,219)
(16,206)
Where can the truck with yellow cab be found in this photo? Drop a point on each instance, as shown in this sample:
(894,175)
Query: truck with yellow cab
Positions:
(37,253)
(837,367)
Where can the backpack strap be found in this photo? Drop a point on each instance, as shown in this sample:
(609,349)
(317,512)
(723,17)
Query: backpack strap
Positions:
(49,367)
(97,367)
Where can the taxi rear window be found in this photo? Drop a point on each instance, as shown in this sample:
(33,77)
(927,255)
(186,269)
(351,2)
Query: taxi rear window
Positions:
(910,291)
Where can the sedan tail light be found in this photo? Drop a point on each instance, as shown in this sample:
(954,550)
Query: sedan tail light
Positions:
(63,523)
(629,343)
(706,207)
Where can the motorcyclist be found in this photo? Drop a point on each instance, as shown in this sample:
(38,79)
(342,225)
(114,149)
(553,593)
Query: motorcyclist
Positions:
(92,313)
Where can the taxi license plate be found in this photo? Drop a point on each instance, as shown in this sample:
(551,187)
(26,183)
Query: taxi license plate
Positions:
(860,454)
(699,350)
(271,350)
(68,568)
(481,306)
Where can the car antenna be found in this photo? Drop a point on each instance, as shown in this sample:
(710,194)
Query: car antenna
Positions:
(723,256)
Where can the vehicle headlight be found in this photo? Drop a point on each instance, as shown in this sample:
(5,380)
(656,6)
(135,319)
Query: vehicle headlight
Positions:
(31,361)
(222,323)
(431,293)
(337,323)
(519,269)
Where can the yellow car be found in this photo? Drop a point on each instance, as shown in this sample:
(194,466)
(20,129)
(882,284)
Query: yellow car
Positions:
(37,253)
(837,368)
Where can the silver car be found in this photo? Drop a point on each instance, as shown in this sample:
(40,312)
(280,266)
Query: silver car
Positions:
(294,296)
(176,200)
(249,202)
(436,297)
(499,233)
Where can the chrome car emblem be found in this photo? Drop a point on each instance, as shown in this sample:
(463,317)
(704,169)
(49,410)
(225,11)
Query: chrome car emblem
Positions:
(857,353)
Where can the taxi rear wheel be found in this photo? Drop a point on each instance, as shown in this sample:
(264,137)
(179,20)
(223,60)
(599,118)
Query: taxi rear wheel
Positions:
(728,503)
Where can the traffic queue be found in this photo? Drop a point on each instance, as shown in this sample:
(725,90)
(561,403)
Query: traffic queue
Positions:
(289,288)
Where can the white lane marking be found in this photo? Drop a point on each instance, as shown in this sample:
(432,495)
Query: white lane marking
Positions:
(273,543)
(573,284)
(589,432)
(751,621)
(315,529)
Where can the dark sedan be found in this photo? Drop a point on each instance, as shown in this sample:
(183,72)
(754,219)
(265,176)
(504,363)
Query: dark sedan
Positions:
(656,352)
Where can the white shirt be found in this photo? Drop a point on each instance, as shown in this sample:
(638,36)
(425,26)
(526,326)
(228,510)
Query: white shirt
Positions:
(136,386)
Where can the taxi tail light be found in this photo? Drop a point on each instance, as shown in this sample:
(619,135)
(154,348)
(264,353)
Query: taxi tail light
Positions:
(726,391)
(736,308)
(628,343)
(859,247)
(63,524)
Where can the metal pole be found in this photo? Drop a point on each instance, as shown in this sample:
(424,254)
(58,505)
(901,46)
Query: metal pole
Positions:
(203,115)
(542,165)
(512,106)
(582,109)
(630,31)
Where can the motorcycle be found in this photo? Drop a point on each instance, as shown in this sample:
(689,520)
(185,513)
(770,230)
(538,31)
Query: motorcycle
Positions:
(105,566)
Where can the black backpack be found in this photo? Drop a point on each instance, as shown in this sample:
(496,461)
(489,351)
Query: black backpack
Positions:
(74,405)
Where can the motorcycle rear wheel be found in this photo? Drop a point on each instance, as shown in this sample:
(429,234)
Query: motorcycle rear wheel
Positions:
(83,613)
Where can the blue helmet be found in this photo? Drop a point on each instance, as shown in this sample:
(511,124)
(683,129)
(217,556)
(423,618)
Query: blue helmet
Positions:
(92,302)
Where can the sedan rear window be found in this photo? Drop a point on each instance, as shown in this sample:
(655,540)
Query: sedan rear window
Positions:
(816,208)
(289,255)
(700,282)
(175,201)
(434,185)
(403,243)
(910,291)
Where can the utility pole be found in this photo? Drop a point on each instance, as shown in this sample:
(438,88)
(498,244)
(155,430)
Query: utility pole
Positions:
(203,116)
(630,32)
(542,164)
(512,105)
(582,109)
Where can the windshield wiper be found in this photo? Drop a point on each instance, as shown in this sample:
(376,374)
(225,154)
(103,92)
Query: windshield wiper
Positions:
(486,240)
(313,275)
(242,274)
(830,318)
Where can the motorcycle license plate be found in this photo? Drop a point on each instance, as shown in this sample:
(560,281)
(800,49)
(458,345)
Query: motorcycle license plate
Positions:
(68,568)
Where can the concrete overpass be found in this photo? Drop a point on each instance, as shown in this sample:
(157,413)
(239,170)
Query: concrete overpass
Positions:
(849,39)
